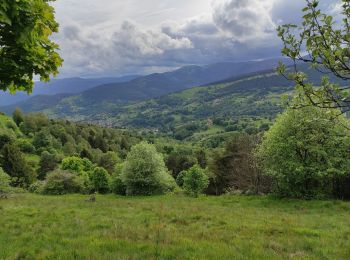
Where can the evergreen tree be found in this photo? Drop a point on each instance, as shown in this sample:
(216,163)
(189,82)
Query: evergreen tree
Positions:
(48,162)
(18,116)
(108,161)
(15,165)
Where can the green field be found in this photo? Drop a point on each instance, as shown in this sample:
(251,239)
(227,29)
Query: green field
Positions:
(172,227)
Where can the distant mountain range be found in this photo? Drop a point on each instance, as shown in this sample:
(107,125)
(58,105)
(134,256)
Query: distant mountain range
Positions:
(61,86)
(86,97)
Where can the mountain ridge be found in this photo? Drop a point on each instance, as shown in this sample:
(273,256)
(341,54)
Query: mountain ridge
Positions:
(152,86)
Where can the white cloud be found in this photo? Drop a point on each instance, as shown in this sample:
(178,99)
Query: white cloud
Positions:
(88,53)
(109,37)
(245,20)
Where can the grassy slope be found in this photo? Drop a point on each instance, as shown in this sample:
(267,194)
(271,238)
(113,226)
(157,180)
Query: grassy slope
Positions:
(172,227)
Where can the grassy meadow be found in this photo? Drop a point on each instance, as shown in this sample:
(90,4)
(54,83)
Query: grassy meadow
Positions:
(172,227)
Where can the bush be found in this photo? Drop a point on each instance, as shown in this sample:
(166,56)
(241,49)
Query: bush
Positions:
(37,187)
(144,172)
(63,182)
(5,139)
(100,180)
(25,146)
(77,165)
(195,180)
(4,180)
(117,185)
(180,179)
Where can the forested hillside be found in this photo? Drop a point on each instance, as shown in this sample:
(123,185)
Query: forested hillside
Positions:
(59,86)
(105,96)
(205,113)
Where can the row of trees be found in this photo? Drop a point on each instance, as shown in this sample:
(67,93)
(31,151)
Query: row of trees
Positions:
(304,154)
(35,155)
(143,173)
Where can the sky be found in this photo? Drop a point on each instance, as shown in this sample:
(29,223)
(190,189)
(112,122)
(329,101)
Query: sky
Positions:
(124,37)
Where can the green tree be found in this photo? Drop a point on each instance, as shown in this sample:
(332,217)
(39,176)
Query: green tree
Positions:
(234,167)
(117,185)
(42,139)
(180,159)
(195,180)
(18,116)
(306,153)
(144,171)
(25,46)
(324,44)
(100,180)
(109,161)
(5,139)
(14,164)
(34,122)
(48,162)
(77,165)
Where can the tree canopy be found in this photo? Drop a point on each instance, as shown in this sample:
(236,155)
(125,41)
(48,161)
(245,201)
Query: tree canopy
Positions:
(306,153)
(324,44)
(25,46)
(144,171)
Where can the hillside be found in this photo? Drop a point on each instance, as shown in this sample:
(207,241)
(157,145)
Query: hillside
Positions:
(246,103)
(105,97)
(60,86)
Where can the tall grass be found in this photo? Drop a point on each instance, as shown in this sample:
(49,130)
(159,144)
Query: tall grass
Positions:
(172,227)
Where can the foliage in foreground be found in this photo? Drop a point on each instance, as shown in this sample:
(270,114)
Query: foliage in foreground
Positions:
(323,43)
(26,48)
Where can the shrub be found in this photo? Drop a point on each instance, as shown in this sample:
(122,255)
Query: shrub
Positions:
(195,180)
(77,165)
(37,187)
(63,182)
(180,178)
(5,139)
(4,180)
(25,146)
(117,185)
(144,172)
(100,179)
